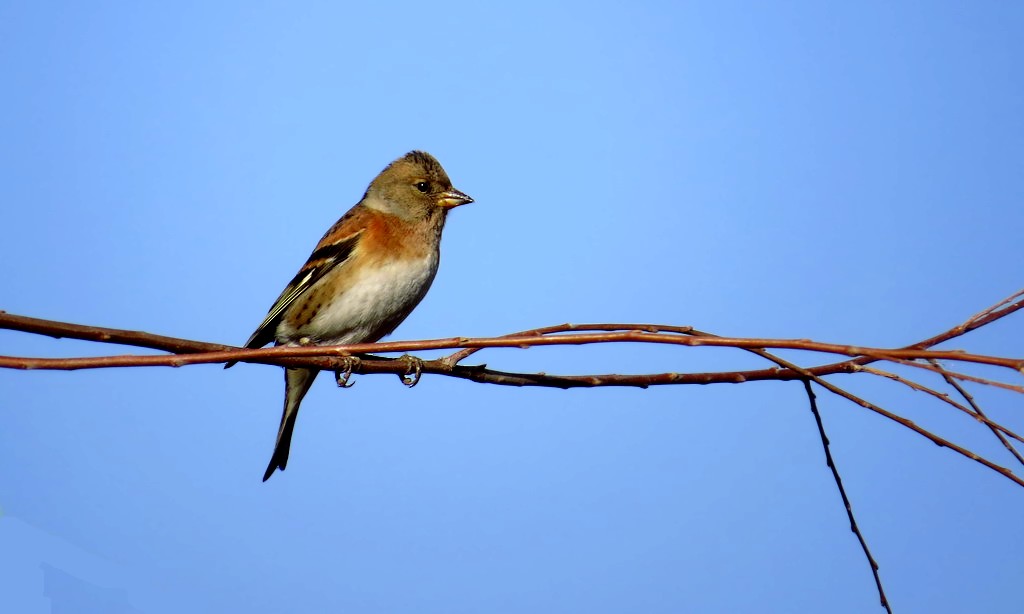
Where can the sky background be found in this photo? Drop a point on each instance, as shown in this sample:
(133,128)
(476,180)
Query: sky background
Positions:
(842,172)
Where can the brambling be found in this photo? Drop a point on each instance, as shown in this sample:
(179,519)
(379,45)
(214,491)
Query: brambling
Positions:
(364,277)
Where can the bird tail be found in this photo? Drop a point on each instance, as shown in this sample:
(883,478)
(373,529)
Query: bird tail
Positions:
(296,384)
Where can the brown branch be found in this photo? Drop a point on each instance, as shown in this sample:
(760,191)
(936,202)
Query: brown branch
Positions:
(319,356)
(980,415)
(59,330)
(927,366)
(1006,306)
(567,328)
(937,440)
(66,330)
(974,413)
(904,356)
(1003,308)
(195,352)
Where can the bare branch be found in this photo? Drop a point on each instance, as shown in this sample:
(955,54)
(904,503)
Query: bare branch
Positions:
(980,415)
(905,356)
(937,368)
(974,413)
(920,355)
(846,500)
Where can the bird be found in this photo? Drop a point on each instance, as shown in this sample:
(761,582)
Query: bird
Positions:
(364,277)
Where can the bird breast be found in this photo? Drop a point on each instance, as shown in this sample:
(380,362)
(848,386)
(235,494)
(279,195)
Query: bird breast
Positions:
(364,304)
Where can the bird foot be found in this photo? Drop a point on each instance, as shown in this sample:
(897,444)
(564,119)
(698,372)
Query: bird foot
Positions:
(344,375)
(412,375)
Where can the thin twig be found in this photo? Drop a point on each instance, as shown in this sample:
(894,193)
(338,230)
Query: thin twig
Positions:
(958,375)
(920,431)
(981,415)
(984,314)
(937,440)
(846,500)
(828,457)
(461,355)
(983,318)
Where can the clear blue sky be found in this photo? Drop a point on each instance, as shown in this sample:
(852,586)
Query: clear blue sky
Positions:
(844,172)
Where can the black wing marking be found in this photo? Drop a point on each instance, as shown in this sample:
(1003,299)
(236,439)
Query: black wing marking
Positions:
(319,264)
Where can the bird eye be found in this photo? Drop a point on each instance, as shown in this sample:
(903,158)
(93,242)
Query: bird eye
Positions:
(423,186)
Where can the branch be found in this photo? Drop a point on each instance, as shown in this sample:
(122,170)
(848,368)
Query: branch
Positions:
(920,355)
(980,415)
(192,355)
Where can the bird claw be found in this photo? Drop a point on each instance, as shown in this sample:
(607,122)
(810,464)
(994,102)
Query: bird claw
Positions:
(412,375)
(344,375)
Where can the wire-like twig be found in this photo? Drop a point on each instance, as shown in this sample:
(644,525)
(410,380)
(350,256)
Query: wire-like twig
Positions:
(846,500)
(828,457)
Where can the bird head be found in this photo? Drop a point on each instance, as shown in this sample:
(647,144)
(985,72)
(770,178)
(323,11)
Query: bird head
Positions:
(414,185)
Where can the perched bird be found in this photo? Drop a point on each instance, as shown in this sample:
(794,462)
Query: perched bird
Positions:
(364,277)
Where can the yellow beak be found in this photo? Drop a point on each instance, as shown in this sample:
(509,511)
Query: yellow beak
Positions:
(454,198)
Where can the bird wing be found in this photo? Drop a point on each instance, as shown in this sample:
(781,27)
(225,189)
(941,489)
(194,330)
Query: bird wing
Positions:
(332,252)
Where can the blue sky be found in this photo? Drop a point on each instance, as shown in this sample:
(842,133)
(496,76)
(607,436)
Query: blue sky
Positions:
(845,173)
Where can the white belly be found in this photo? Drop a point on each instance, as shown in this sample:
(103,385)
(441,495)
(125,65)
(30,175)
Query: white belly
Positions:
(377,301)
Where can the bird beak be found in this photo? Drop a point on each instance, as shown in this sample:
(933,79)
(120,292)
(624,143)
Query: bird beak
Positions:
(453,198)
